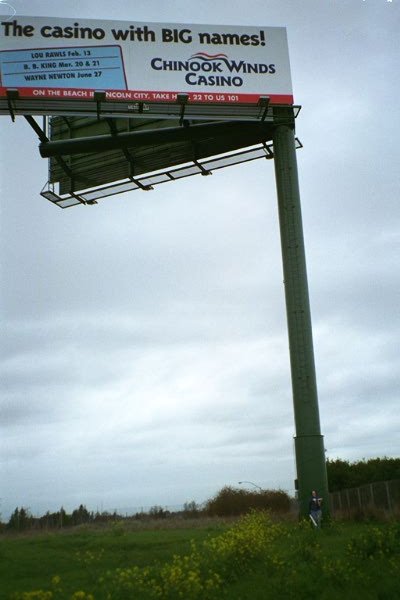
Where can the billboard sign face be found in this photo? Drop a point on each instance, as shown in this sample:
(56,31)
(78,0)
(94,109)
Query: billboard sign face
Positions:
(69,59)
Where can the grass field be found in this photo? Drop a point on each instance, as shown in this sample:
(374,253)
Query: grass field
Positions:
(252,559)
(79,557)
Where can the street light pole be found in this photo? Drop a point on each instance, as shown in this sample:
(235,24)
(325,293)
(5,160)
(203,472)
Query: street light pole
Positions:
(251,483)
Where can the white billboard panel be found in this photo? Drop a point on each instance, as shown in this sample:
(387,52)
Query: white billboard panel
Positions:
(68,59)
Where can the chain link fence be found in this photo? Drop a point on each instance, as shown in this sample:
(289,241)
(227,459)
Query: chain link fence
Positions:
(379,497)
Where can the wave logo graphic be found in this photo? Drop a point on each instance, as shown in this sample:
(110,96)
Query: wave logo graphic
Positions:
(210,57)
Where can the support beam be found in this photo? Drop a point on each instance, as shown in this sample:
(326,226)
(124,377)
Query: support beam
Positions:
(131,139)
(309,445)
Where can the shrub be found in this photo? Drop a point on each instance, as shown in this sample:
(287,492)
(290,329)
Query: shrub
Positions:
(233,502)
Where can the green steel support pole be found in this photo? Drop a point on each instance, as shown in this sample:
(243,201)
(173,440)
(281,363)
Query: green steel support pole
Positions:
(309,444)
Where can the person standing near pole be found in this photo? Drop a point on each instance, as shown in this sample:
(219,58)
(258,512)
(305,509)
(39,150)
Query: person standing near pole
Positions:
(315,509)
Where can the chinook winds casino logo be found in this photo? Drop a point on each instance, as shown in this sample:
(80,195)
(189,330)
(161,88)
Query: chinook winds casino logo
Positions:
(203,69)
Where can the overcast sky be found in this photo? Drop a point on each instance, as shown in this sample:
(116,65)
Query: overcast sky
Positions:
(144,346)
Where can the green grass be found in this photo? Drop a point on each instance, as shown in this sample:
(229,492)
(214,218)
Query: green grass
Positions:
(29,561)
(252,559)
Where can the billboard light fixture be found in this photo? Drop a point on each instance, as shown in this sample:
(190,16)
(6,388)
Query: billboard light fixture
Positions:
(182,99)
(99,96)
(12,95)
(263,102)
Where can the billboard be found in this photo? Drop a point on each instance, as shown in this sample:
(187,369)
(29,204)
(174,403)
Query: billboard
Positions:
(49,58)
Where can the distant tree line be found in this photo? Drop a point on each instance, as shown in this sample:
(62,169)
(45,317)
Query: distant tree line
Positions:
(343,474)
(228,502)
(22,520)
